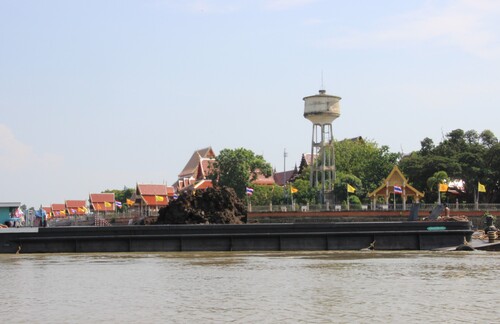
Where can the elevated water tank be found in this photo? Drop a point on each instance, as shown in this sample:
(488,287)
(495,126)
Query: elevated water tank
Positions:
(322,108)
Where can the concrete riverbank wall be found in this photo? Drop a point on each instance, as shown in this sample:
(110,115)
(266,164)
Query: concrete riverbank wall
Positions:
(476,217)
(247,237)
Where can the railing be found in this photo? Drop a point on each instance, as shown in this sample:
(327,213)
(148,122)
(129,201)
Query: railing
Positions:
(367,207)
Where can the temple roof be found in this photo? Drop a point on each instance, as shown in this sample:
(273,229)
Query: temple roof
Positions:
(395,178)
(190,170)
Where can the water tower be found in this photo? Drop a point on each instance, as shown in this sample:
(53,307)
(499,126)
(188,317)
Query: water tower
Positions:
(322,109)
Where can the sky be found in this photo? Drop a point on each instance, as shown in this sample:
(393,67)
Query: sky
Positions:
(106,94)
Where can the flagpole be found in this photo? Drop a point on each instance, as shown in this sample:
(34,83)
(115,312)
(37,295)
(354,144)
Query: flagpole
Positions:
(476,204)
(439,195)
(284,171)
(347,198)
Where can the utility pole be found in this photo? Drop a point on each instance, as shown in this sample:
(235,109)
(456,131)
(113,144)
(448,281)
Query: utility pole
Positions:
(284,173)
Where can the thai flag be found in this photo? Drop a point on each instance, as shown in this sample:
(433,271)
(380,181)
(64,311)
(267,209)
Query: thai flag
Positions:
(175,196)
(118,204)
(249,191)
(398,190)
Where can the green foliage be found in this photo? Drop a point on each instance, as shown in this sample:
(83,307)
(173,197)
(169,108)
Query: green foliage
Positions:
(122,196)
(341,186)
(468,155)
(433,182)
(264,195)
(364,162)
(354,201)
(437,177)
(238,168)
(306,193)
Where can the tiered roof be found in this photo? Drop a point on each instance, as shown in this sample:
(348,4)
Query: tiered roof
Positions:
(395,178)
(58,210)
(153,194)
(76,207)
(102,202)
(191,168)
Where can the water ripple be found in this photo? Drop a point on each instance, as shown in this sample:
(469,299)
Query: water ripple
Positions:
(236,287)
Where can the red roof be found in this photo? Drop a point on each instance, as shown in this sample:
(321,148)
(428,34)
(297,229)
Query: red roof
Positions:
(151,189)
(75,203)
(154,194)
(262,180)
(57,209)
(170,191)
(205,167)
(203,184)
(281,178)
(76,207)
(48,211)
(102,197)
(103,201)
(191,167)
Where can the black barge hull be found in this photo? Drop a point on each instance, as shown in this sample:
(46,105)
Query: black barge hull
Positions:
(247,237)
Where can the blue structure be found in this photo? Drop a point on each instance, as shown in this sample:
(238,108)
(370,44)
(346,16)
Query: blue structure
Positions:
(7,210)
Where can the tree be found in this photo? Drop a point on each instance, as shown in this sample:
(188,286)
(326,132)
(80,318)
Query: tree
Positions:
(464,155)
(238,168)
(488,139)
(492,173)
(305,193)
(365,161)
(435,180)
(343,179)
(427,145)
(265,195)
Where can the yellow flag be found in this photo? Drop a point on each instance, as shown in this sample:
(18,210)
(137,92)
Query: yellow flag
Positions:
(159,198)
(481,187)
(350,188)
(130,202)
(63,212)
(293,189)
(107,204)
(443,187)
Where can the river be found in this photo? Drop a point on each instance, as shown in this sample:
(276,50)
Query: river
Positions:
(251,287)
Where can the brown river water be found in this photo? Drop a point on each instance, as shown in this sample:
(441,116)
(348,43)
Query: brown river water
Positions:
(251,287)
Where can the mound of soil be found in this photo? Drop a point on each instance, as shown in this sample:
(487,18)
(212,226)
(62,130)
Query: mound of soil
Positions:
(211,206)
(457,218)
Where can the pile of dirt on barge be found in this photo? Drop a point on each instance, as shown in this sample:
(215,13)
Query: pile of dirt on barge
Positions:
(210,206)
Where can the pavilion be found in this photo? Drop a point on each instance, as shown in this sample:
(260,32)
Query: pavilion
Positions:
(395,179)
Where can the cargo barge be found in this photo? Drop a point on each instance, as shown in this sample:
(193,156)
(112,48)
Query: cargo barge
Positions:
(422,235)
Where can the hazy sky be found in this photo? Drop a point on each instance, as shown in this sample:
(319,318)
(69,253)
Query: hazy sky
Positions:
(98,95)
